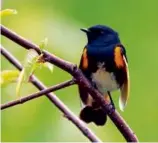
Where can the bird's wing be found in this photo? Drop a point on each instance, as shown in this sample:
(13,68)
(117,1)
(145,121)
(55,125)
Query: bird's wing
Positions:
(85,97)
(121,63)
(125,87)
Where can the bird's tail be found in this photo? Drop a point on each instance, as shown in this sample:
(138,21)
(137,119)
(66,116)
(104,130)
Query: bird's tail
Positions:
(90,114)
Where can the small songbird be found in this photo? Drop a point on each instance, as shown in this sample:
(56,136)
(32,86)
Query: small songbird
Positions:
(104,63)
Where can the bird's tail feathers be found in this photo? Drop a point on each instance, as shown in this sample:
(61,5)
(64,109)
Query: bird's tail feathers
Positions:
(89,114)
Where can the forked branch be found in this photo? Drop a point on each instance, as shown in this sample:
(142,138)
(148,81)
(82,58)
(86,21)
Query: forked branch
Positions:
(37,94)
(54,99)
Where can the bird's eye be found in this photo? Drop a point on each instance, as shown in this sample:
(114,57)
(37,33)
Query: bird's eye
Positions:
(97,31)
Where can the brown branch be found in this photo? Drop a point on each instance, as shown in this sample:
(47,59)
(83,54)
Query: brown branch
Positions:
(54,99)
(37,94)
(80,79)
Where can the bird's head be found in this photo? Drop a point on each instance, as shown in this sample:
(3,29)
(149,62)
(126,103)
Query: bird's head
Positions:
(100,35)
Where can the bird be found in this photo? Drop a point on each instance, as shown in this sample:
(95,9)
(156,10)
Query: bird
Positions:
(104,63)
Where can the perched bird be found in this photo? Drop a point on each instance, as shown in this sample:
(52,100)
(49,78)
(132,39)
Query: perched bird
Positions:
(104,63)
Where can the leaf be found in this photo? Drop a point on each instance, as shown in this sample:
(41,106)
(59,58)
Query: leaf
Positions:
(20,81)
(49,66)
(31,57)
(30,63)
(34,67)
(43,44)
(7,12)
(9,76)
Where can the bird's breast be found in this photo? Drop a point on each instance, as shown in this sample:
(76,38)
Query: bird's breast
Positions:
(104,80)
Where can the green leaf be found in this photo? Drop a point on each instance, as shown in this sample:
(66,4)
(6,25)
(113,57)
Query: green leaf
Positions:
(31,57)
(7,12)
(34,67)
(30,63)
(20,81)
(43,44)
(9,76)
(49,66)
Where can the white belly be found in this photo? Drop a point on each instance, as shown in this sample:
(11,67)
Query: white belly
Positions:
(104,81)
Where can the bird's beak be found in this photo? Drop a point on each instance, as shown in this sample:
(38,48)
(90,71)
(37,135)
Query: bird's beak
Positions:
(84,30)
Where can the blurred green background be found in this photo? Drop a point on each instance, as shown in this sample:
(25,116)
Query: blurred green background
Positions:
(60,21)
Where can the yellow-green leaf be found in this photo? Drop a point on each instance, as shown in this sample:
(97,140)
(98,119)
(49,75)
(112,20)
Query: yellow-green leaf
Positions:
(31,57)
(34,67)
(43,44)
(20,81)
(29,68)
(9,76)
(7,12)
(30,63)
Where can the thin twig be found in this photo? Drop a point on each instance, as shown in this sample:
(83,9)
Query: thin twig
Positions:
(80,79)
(54,99)
(37,94)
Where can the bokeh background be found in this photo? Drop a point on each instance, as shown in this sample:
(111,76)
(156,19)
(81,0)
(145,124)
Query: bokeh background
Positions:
(60,21)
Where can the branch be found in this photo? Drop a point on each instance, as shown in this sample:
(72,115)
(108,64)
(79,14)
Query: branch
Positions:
(54,99)
(37,94)
(80,79)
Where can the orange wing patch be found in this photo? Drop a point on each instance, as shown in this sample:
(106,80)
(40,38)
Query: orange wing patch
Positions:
(118,57)
(85,59)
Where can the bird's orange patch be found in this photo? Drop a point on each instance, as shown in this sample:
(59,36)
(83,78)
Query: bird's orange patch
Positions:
(118,58)
(85,59)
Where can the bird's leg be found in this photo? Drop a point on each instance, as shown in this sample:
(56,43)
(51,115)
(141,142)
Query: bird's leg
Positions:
(112,103)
